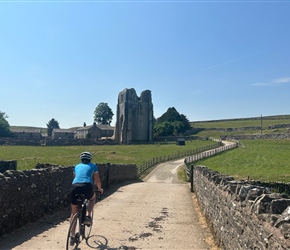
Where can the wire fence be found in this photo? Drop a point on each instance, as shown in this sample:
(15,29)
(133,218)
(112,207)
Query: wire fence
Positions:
(205,154)
(148,165)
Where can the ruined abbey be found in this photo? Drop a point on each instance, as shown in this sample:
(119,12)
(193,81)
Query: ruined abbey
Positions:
(134,120)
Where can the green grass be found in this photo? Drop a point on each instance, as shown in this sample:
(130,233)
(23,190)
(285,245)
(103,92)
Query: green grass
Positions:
(246,122)
(182,176)
(242,123)
(28,156)
(264,160)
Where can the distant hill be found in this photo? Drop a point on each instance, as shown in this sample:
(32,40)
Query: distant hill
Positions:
(273,117)
(279,122)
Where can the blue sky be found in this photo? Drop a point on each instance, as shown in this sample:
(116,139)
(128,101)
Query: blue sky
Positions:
(208,59)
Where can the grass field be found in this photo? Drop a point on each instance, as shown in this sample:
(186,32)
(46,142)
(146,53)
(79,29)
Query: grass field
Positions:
(243,123)
(247,122)
(28,156)
(264,160)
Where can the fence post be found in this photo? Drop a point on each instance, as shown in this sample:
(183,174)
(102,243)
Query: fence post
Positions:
(191,177)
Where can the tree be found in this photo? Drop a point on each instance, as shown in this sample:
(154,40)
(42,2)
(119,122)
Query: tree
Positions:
(51,125)
(171,123)
(103,114)
(4,125)
(163,129)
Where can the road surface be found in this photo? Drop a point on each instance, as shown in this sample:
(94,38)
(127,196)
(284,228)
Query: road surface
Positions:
(158,213)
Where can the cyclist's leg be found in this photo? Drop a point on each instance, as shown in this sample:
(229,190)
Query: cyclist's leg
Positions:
(91,205)
(90,195)
(74,210)
(74,207)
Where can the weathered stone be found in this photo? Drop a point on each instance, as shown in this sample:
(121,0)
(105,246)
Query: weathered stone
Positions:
(285,218)
(7,165)
(27,195)
(279,206)
(134,117)
(285,230)
(263,203)
(244,192)
(246,224)
(255,192)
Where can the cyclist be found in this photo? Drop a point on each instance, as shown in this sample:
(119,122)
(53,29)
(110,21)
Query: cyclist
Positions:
(85,175)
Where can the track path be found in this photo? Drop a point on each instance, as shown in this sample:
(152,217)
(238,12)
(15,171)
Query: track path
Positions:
(158,213)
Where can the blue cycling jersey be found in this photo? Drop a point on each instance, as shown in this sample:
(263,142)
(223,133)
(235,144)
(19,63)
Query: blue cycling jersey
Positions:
(84,173)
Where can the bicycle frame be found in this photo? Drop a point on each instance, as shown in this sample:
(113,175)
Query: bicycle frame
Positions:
(77,226)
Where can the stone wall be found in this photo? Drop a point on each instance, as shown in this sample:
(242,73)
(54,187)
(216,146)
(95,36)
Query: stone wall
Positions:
(242,214)
(26,196)
(53,142)
(256,136)
(7,165)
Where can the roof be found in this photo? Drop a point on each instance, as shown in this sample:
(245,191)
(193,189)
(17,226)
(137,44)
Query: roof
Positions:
(85,128)
(59,130)
(100,126)
(105,127)
(25,130)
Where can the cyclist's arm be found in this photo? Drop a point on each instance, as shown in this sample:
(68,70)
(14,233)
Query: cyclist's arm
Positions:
(96,177)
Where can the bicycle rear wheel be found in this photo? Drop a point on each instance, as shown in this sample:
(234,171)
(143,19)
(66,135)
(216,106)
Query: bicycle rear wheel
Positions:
(73,236)
(88,229)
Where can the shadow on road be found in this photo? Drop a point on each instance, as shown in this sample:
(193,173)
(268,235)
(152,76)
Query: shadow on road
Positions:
(31,230)
(101,243)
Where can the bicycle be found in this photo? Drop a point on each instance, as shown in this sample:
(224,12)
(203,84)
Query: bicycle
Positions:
(77,225)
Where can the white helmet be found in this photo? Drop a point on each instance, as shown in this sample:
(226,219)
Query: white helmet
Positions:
(86,156)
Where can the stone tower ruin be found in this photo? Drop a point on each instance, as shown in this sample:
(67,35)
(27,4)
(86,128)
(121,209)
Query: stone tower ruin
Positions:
(134,122)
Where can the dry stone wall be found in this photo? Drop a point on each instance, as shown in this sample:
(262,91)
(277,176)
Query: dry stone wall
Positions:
(242,214)
(53,142)
(7,165)
(26,196)
(254,137)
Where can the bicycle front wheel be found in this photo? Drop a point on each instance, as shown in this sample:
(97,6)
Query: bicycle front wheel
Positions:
(73,236)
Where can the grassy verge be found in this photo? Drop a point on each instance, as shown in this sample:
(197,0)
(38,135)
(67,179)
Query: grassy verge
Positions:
(28,156)
(182,175)
(264,160)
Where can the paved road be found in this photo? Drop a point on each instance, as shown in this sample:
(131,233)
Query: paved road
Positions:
(159,213)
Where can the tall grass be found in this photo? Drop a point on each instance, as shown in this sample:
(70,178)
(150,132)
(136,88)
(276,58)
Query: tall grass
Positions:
(265,160)
(28,156)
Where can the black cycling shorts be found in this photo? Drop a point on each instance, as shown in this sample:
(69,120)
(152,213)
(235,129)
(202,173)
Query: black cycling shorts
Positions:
(81,188)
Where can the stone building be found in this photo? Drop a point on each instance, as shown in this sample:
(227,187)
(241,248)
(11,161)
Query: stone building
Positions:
(27,133)
(134,120)
(58,133)
(94,131)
